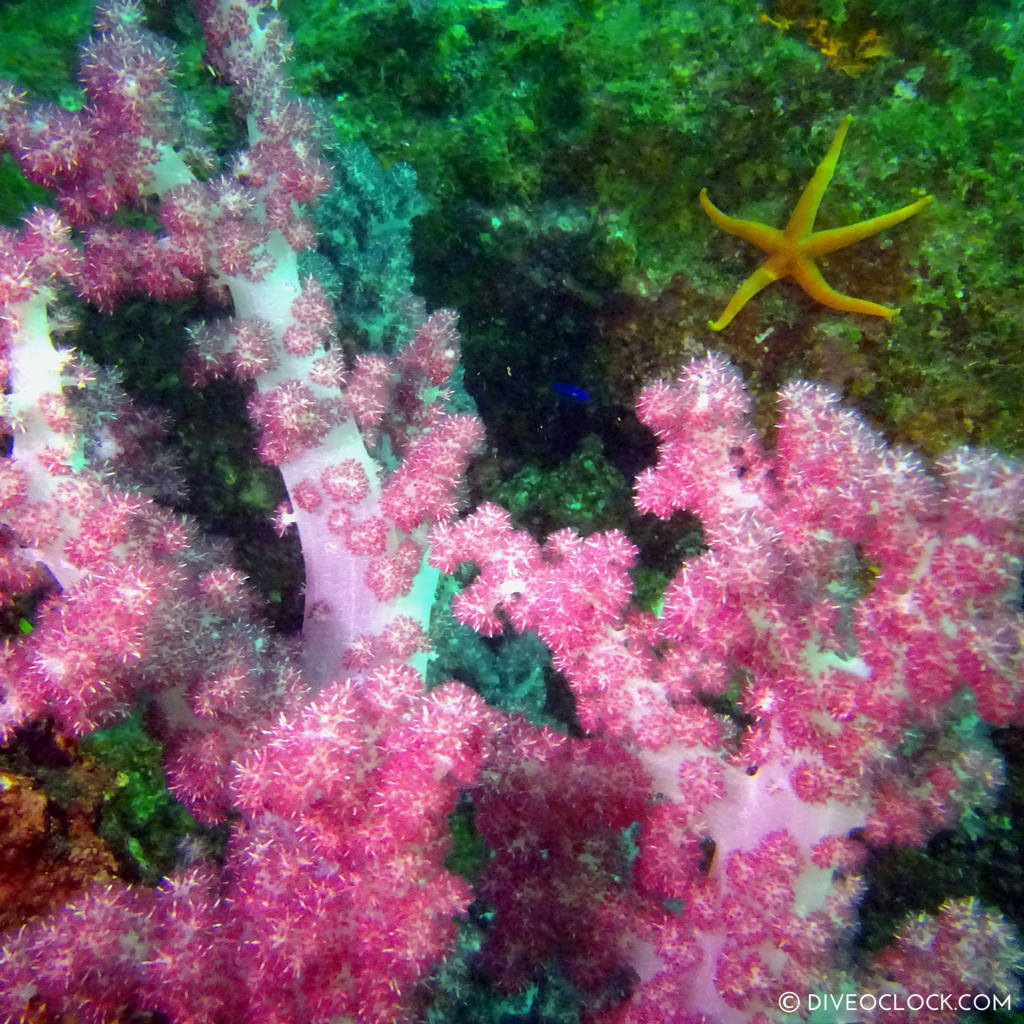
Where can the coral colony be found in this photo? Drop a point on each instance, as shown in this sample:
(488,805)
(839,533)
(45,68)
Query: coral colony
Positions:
(749,737)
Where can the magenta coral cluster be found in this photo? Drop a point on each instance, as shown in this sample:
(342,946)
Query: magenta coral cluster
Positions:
(690,858)
(332,902)
(337,771)
(846,596)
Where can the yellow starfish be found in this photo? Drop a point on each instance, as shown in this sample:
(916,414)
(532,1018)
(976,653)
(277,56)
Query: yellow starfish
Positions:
(792,252)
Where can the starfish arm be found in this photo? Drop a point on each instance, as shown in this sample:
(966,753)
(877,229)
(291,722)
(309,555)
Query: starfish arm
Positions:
(802,219)
(766,238)
(823,242)
(760,278)
(808,276)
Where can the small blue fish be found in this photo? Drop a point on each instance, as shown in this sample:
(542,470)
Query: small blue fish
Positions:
(570,391)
